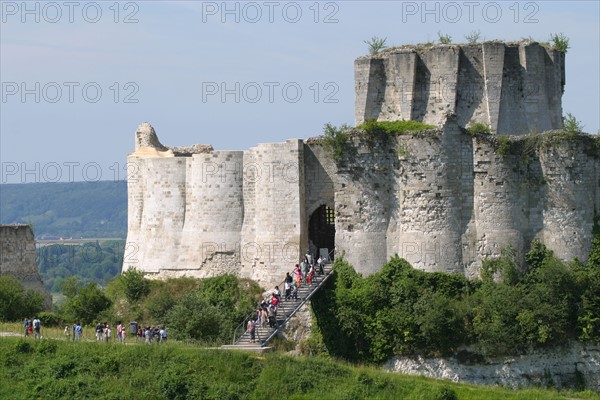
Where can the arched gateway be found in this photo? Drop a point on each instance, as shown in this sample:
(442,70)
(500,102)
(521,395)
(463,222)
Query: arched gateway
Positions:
(321,230)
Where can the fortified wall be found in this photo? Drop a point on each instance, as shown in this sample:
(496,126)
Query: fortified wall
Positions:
(17,258)
(442,198)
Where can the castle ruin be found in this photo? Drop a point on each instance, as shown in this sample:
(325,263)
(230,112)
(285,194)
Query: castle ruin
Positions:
(17,258)
(442,199)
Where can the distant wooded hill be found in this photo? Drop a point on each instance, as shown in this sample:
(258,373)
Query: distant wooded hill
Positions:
(67,210)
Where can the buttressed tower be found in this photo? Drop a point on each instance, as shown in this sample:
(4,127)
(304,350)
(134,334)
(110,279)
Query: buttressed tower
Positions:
(442,198)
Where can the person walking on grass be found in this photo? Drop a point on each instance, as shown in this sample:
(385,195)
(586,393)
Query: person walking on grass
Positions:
(37,326)
(26,324)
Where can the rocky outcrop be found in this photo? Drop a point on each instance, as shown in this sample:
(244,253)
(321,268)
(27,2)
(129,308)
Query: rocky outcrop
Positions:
(571,367)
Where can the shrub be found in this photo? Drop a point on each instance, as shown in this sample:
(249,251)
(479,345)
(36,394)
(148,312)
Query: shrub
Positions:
(336,141)
(571,125)
(376,44)
(444,38)
(135,285)
(473,37)
(478,128)
(16,302)
(560,42)
(505,145)
(49,318)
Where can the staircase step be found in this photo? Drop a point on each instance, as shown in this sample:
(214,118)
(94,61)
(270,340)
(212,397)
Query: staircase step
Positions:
(285,310)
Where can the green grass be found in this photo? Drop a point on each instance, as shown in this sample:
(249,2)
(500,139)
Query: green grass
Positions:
(52,369)
(394,126)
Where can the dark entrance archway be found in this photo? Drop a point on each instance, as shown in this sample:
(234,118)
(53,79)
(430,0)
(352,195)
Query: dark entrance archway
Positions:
(321,229)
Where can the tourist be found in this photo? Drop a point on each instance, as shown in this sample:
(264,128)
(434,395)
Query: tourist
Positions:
(148,335)
(163,334)
(107,332)
(272,317)
(274,301)
(311,274)
(294,293)
(37,325)
(251,329)
(119,332)
(99,332)
(26,324)
(259,319)
(277,293)
(74,326)
(298,275)
(304,270)
(67,332)
(265,317)
(288,285)
(288,289)
(320,265)
(77,332)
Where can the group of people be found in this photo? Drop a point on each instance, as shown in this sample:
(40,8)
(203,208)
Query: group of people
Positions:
(103,331)
(77,330)
(306,271)
(32,327)
(266,313)
(149,334)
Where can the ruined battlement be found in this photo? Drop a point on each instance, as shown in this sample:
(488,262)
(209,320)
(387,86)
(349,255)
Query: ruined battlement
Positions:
(17,258)
(515,88)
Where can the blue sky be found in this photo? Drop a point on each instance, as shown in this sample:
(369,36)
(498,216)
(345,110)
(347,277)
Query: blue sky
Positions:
(78,77)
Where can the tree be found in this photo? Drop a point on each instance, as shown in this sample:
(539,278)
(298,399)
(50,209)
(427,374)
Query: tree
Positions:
(135,285)
(16,302)
(83,302)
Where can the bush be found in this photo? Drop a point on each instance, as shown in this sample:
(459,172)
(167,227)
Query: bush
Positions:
(211,313)
(505,145)
(376,44)
(16,302)
(135,285)
(444,38)
(336,141)
(49,319)
(559,42)
(478,128)
(83,302)
(571,125)
(473,37)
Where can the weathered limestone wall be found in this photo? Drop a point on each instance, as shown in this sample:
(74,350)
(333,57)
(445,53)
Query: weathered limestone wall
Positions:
(571,198)
(17,258)
(198,212)
(444,200)
(514,88)
(274,231)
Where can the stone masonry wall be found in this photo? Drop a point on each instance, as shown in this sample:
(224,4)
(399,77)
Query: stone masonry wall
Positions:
(515,88)
(213,212)
(17,258)
(444,200)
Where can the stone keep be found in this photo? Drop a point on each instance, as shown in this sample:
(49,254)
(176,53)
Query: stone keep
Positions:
(441,198)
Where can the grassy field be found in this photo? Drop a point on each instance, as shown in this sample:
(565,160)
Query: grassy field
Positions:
(57,369)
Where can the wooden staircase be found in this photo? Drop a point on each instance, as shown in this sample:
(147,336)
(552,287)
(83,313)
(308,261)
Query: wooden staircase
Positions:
(286,310)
